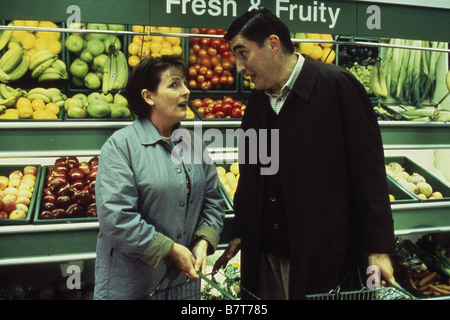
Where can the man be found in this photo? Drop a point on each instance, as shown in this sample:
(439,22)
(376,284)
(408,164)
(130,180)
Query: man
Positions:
(327,208)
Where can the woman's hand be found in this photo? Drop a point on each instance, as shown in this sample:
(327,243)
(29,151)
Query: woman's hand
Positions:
(184,260)
(200,253)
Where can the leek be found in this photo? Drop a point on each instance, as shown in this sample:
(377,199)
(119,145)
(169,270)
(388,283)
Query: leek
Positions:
(415,94)
(397,55)
(400,68)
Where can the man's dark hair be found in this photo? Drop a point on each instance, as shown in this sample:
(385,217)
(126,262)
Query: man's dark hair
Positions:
(147,75)
(257,25)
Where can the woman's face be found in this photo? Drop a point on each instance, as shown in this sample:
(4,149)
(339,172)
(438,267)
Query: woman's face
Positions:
(169,101)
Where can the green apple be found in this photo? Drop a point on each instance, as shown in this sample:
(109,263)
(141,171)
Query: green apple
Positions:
(99,62)
(119,111)
(95,46)
(77,112)
(120,99)
(112,40)
(116,27)
(92,81)
(87,56)
(82,97)
(108,97)
(99,75)
(79,68)
(96,26)
(96,97)
(70,102)
(74,43)
(99,109)
(77,25)
(77,82)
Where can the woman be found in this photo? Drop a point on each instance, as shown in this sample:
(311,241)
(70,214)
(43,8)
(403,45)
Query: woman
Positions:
(158,217)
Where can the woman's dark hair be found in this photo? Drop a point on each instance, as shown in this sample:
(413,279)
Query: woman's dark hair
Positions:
(147,75)
(257,25)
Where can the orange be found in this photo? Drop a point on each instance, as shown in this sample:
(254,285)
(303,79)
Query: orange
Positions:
(133,60)
(134,48)
(38,104)
(23,102)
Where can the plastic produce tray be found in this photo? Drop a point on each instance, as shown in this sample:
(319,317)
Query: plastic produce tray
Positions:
(400,195)
(37,211)
(411,167)
(6,170)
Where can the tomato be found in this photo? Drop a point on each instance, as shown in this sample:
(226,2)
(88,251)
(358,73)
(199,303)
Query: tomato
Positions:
(220,114)
(202,70)
(226,54)
(214,80)
(200,78)
(205,42)
(192,72)
(201,110)
(196,47)
(227,108)
(202,53)
(209,115)
(210,108)
(223,79)
(226,65)
(230,80)
(215,43)
(211,31)
(3,215)
(222,48)
(237,103)
(192,59)
(212,52)
(192,84)
(236,112)
(207,101)
(215,60)
(218,69)
(206,61)
(205,85)
(197,103)
(209,74)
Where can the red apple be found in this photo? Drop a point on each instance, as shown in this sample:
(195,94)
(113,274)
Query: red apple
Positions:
(46,214)
(3,215)
(84,166)
(76,174)
(56,183)
(9,204)
(72,162)
(49,198)
(77,184)
(74,210)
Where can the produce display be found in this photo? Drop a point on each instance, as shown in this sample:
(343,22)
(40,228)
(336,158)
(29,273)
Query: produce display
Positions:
(230,178)
(36,52)
(153,44)
(318,51)
(69,189)
(52,290)
(97,62)
(227,280)
(211,63)
(412,181)
(384,115)
(411,74)
(97,105)
(424,266)
(16,191)
(37,103)
(227,107)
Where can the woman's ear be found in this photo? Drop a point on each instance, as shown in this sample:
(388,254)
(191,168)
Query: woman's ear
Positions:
(147,96)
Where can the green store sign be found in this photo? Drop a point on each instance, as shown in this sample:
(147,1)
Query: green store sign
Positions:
(360,18)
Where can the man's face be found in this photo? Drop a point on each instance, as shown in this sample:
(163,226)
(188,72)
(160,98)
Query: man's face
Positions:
(254,61)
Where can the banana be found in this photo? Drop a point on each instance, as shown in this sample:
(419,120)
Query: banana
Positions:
(60,65)
(40,91)
(21,69)
(113,75)
(6,35)
(42,67)
(106,75)
(382,82)
(39,57)
(11,59)
(9,102)
(374,81)
(8,92)
(33,96)
(50,76)
(4,77)
(447,80)
(122,72)
(57,95)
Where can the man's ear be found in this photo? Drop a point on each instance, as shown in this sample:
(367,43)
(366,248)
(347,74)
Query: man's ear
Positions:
(147,96)
(274,43)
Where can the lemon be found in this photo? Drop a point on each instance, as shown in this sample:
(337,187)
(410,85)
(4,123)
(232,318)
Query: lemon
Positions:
(52,107)
(231,178)
(137,28)
(221,171)
(54,46)
(41,44)
(28,41)
(174,41)
(31,23)
(234,168)
(316,53)
(177,50)
(155,47)
(306,47)
(166,51)
(328,55)
(326,37)
(38,104)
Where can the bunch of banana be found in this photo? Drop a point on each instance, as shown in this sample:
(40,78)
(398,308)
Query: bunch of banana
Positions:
(9,97)
(115,72)
(378,81)
(13,64)
(47,95)
(5,36)
(46,66)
